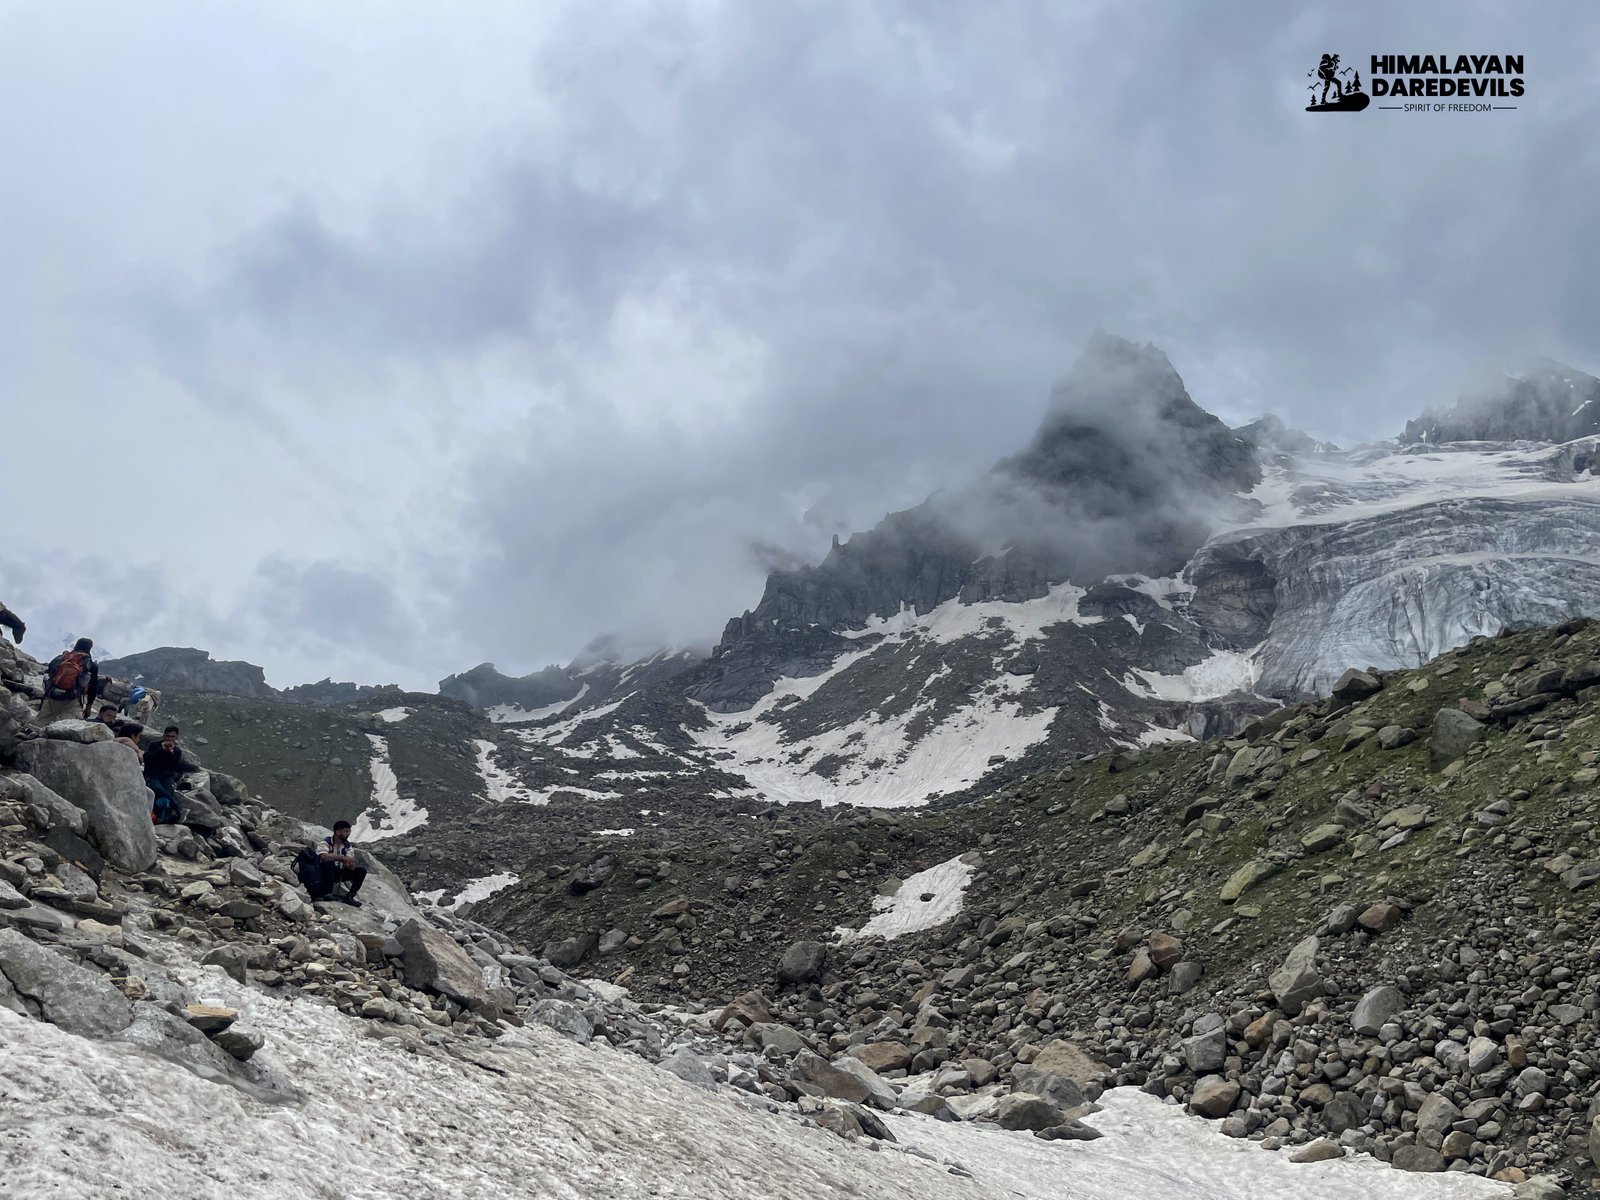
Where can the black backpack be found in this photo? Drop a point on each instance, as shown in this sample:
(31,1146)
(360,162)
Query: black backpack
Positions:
(308,867)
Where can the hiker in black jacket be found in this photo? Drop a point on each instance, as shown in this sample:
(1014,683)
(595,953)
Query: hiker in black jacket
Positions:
(340,865)
(163,763)
(71,682)
(14,623)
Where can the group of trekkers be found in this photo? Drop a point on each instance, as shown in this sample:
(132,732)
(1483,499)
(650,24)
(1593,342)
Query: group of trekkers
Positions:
(72,684)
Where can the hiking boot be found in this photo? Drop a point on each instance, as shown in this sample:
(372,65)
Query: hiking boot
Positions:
(351,901)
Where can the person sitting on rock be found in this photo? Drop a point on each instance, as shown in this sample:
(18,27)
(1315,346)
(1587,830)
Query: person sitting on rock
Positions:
(163,763)
(126,733)
(14,623)
(339,865)
(71,682)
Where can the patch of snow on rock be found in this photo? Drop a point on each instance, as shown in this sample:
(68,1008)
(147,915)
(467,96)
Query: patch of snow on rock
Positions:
(389,814)
(513,714)
(499,785)
(1226,671)
(482,889)
(923,900)
(392,715)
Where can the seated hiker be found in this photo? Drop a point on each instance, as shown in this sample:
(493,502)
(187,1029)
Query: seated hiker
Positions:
(14,623)
(339,865)
(163,763)
(71,682)
(126,732)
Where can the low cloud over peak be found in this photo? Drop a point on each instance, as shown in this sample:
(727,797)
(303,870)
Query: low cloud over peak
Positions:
(509,333)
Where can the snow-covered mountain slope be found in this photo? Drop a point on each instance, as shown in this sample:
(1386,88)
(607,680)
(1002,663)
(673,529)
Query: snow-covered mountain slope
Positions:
(1138,573)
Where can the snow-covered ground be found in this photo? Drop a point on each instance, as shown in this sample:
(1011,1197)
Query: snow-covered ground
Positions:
(953,620)
(499,785)
(392,715)
(1224,672)
(389,814)
(924,900)
(1154,1151)
(535,1115)
(511,714)
(1350,485)
(476,889)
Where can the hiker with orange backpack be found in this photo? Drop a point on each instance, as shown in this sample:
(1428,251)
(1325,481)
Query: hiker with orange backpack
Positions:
(71,682)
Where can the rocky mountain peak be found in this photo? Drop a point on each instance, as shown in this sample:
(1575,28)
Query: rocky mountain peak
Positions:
(485,685)
(187,668)
(1547,401)
(1121,426)
(1271,436)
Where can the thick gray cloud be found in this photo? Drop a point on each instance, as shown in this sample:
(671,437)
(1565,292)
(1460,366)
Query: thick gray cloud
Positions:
(396,340)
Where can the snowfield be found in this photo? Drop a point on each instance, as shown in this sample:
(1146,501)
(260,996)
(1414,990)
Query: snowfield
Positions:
(534,1115)
(1226,671)
(1155,1151)
(389,814)
(499,785)
(392,715)
(924,900)
(1348,485)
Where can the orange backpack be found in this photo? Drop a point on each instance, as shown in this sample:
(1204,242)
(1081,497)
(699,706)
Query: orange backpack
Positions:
(68,681)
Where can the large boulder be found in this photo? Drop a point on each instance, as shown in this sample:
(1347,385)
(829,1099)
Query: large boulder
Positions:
(1416,1158)
(569,952)
(62,812)
(16,716)
(1453,732)
(1356,685)
(1375,1009)
(1214,1096)
(103,780)
(1297,982)
(200,807)
(879,1093)
(829,1079)
(1065,1057)
(1206,1052)
(434,963)
(1055,1086)
(77,999)
(1022,1111)
(1435,1118)
(751,1008)
(1344,1111)
(802,962)
(73,730)
(883,1056)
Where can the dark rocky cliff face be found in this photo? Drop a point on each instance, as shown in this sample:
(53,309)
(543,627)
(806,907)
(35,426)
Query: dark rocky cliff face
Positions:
(191,670)
(1550,403)
(484,686)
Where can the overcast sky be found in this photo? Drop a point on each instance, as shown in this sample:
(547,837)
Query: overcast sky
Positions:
(375,340)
